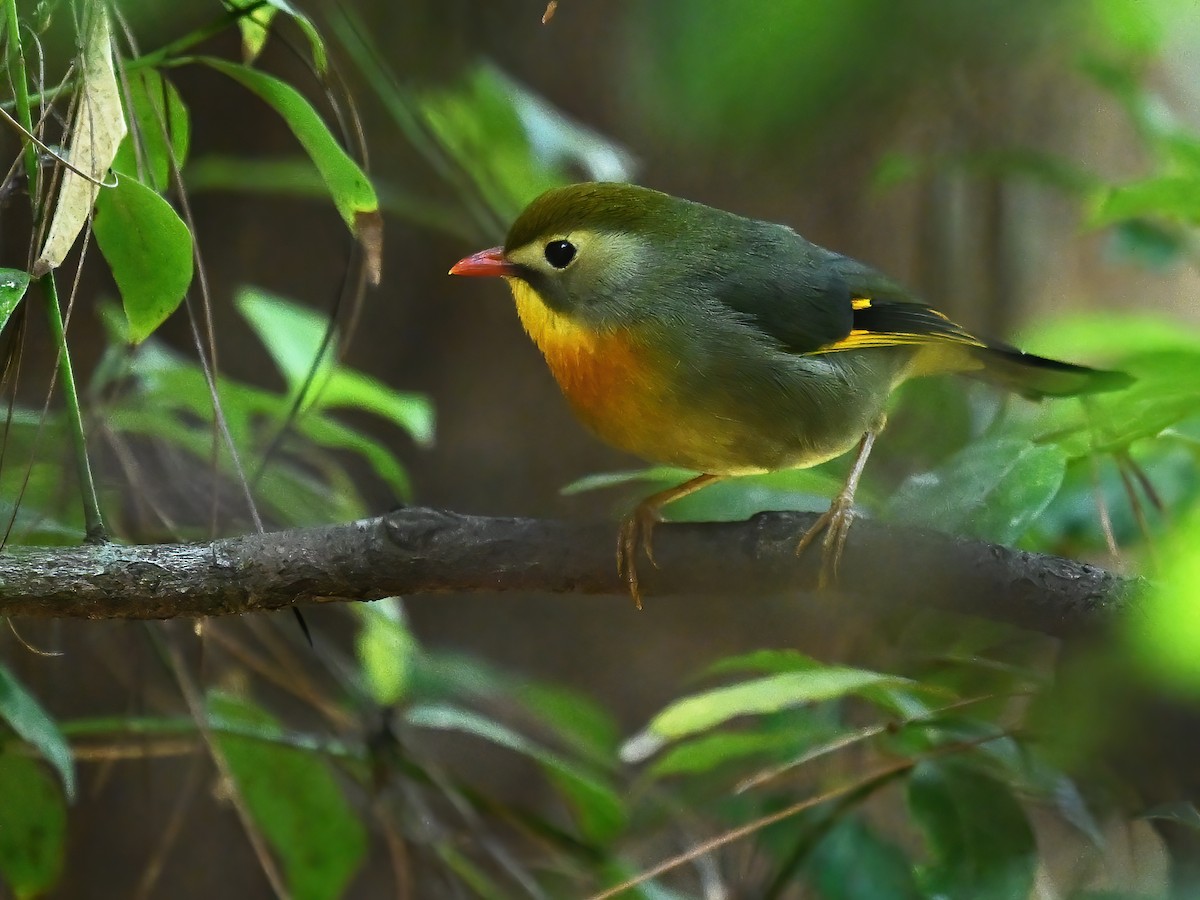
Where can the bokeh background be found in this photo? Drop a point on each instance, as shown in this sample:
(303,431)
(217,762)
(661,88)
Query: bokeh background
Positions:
(955,145)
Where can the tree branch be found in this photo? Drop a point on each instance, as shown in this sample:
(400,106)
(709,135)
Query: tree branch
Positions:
(415,551)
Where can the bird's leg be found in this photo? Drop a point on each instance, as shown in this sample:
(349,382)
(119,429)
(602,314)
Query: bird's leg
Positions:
(638,526)
(835,521)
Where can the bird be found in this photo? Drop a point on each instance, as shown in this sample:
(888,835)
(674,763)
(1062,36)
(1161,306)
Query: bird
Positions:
(696,337)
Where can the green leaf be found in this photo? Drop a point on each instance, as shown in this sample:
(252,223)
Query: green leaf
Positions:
(159,130)
(1165,637)
(13,284)
(852,862)
(148,248)
(33,725)
(316,43)
(294,335)
(771,661)
(294,799)
(254,24)
(993,489)
(979,839)
(1110,336)
(700,712)
(710,751)
(328,433)
(471,875)
(33,827)
(600,811)
(478,125)
(385,649)
(1134,26)
(1166,390)
(728,501)
(354,390)
(577,719)
(348,185)
(1175,197)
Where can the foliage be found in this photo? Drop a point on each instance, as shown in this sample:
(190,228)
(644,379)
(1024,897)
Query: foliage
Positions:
(923,775)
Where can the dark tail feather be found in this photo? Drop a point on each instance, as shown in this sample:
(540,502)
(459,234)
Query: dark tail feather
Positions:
(1036,377)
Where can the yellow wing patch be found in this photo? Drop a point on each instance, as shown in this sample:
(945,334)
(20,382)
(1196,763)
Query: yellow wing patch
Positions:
(860,338)
(942,330)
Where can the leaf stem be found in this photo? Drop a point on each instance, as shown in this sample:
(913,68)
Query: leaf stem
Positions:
(91,505)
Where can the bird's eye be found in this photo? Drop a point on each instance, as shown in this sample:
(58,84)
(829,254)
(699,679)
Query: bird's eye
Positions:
(560,253)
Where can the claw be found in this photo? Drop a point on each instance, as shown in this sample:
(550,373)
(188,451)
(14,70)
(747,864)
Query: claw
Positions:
(835,521)
(638,529)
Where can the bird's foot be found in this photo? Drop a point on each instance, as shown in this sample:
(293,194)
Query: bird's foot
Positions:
(637,527)
(835,522)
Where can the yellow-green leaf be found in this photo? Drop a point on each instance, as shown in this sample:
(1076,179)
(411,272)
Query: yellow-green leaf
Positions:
(348,185)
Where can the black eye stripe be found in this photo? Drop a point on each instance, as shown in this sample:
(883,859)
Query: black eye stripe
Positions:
(560,253)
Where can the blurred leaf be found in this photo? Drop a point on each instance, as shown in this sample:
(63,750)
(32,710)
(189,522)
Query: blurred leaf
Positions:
(557,143)
(710,751)
(33,827)
(149,249)
(853,863)
(94,134)
(385,649)
(770,661)
(1166,391)
(1069,802)
(293,336)
(992,489)
(295,801)
(1172,196)
(601,813)
(1166,636)
(577,719)
(349,187)
(654,475)
(298,177)
(13,284)
(328,433)
(1147,244)
(700,712)
(159,130)
(480,883)
(1180,812)
(33,725)
(978,836)
(1108,336)
(354,390)
(896,168)
(734,499)
(289,176)
(1135,26)
(478,125)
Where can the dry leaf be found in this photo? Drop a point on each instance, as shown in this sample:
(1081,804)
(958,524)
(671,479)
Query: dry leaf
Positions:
(98,130)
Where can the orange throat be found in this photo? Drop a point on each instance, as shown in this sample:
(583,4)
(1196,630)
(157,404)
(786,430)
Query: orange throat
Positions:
(606,377)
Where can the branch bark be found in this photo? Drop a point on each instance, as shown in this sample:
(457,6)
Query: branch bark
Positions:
(421,551)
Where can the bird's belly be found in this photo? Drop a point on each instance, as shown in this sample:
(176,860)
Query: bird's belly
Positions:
(640,397)
(636,402)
